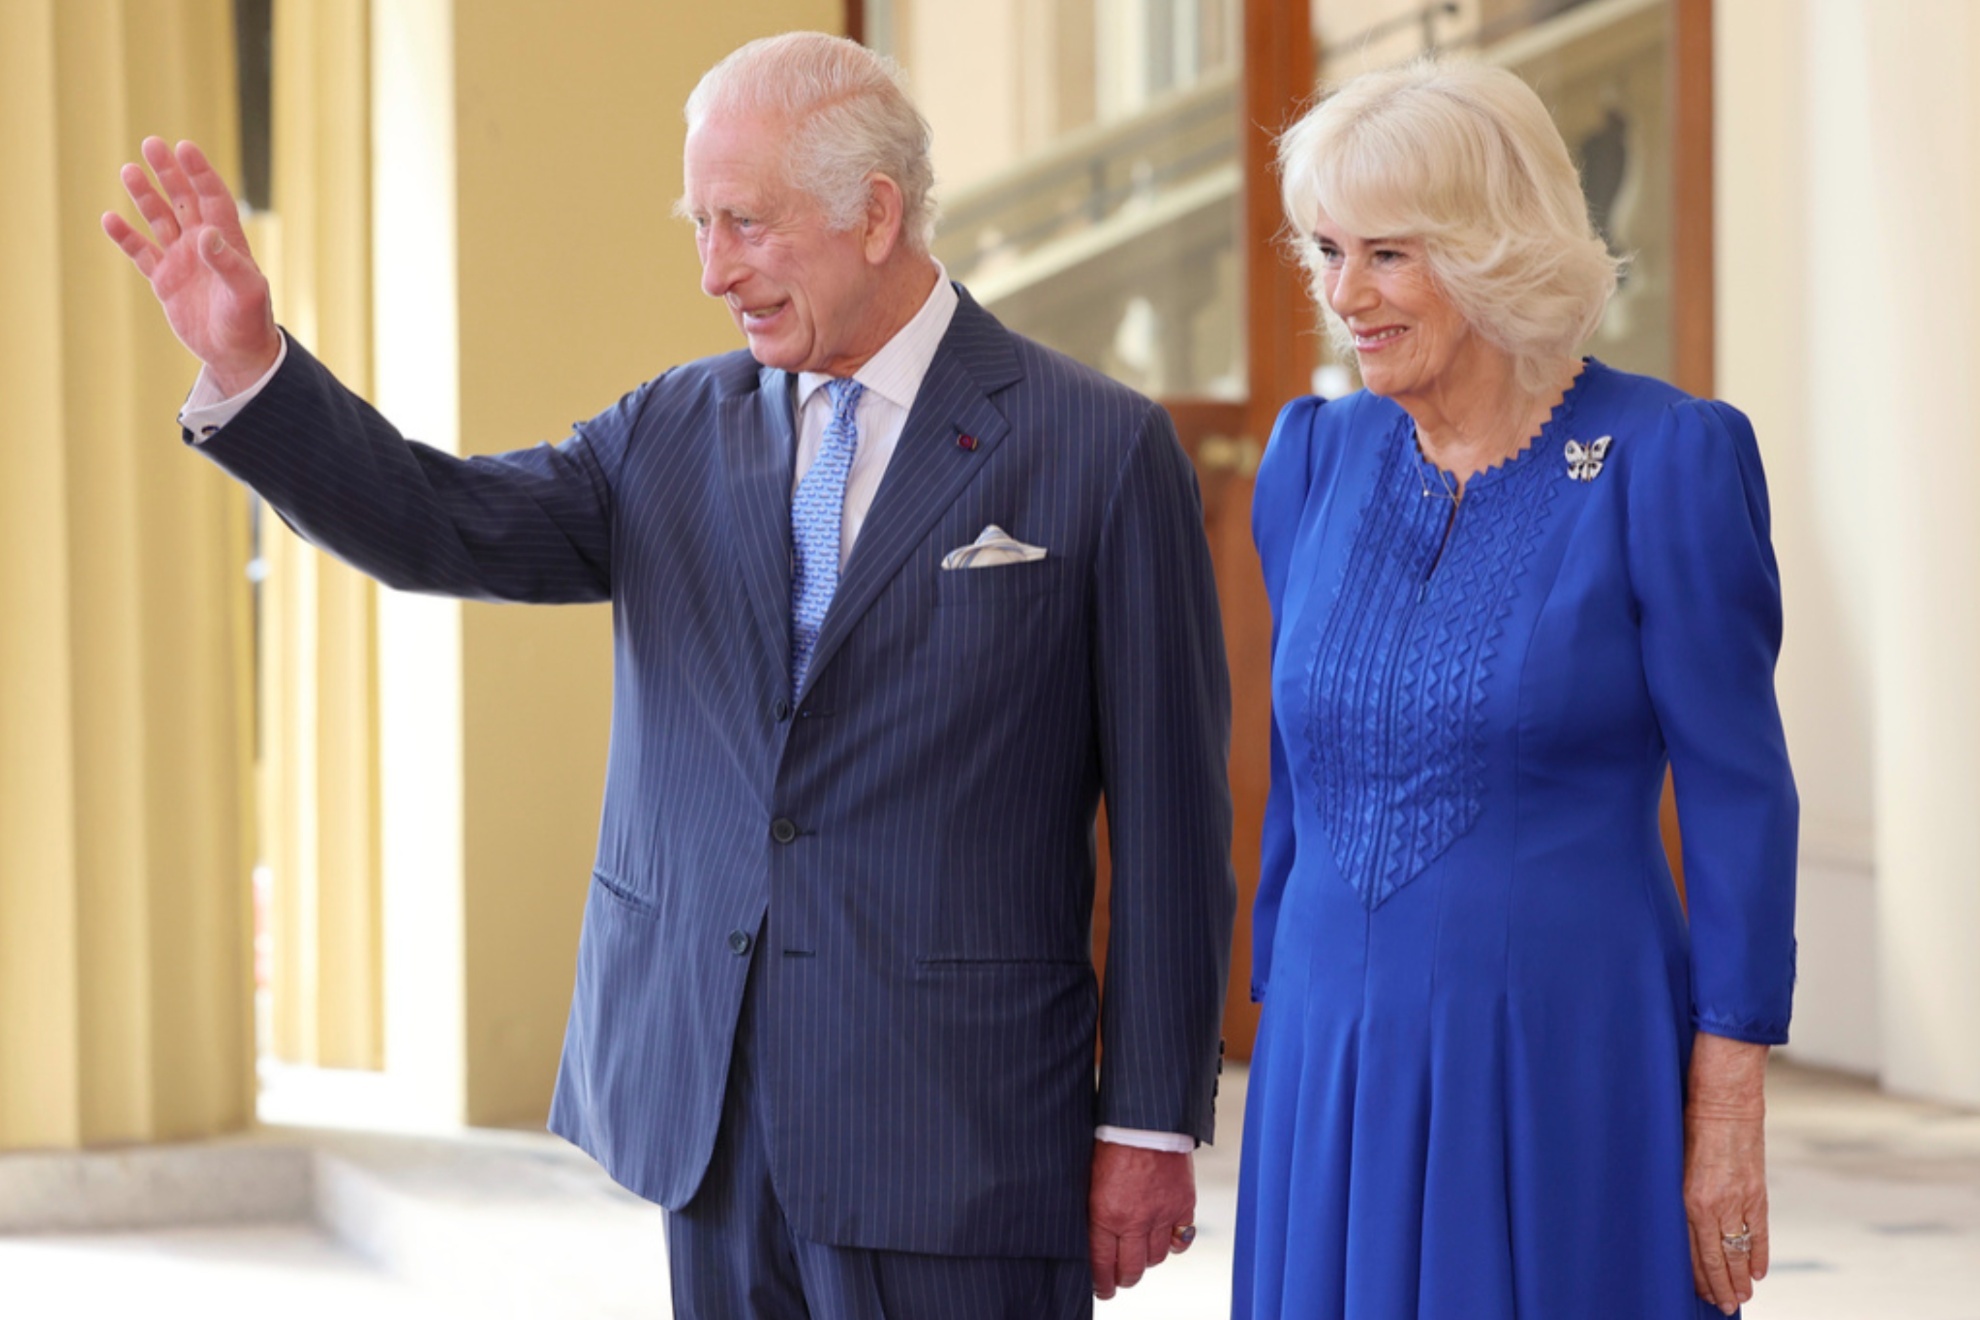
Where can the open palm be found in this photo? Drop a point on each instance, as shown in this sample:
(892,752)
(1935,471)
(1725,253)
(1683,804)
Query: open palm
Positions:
(197,261)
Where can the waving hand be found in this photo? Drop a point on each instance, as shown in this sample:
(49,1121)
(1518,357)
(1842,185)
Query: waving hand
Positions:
(196,258)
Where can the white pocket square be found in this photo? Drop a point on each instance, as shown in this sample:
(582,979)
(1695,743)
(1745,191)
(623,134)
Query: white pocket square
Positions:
(994,547)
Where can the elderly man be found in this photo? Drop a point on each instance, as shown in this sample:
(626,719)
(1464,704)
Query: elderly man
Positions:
(898,597)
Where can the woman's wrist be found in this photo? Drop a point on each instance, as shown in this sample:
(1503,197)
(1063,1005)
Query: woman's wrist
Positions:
(1728,1080)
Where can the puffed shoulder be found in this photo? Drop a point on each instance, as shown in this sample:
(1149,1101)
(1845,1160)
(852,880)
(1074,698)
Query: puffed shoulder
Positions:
(1689,435)
(1312,445)
(1690,432)
(1698,499)
(1285,474)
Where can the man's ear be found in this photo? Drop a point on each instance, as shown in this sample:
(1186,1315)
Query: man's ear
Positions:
(885,216)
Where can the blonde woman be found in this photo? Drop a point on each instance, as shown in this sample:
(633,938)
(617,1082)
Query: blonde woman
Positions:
(1499,1072)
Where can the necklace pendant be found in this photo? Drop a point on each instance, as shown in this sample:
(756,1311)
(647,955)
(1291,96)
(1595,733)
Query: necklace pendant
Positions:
(1584,462)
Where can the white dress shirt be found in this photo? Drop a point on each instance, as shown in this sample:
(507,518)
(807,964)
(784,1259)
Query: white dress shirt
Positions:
(892,378)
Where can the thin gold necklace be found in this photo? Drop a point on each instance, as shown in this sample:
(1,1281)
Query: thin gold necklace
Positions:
(1448,490)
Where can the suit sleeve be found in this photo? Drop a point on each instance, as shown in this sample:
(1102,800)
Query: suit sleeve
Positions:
(1708,592)
(1278,497)
(1164,732)
(533,525)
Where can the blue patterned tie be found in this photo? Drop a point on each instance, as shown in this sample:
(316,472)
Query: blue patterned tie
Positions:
(815,511)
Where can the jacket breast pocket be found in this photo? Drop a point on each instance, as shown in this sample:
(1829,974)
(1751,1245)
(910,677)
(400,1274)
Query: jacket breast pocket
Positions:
(962,587)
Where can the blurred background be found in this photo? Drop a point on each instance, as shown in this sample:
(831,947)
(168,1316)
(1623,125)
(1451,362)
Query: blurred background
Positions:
(284,856)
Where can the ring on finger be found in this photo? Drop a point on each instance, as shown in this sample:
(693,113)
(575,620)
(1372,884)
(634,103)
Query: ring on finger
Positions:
(1740,1243)
(1183,1234)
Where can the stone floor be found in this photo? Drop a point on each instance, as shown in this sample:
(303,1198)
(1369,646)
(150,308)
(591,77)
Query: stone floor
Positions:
(1876,1215)
(1875,1202)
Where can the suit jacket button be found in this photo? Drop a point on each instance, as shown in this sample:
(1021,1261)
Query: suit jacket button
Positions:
(783,830)
(782,710)
(738,943)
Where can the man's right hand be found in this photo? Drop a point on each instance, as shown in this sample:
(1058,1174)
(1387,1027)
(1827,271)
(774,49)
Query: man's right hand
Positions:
(214,296)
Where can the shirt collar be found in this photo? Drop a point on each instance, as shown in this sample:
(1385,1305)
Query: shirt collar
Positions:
(895,372)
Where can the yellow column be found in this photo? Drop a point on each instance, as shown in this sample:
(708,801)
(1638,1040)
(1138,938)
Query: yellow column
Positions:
(124,1004)
(39,1045)
(528,273)
(318,660)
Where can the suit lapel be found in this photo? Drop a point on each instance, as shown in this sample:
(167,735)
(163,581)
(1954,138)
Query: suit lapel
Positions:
(929,468)
(759,448)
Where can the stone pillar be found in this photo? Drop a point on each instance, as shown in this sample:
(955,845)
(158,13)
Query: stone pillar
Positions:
(318,659)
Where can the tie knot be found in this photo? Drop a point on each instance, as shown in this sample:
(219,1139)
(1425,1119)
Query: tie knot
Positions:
(845,398)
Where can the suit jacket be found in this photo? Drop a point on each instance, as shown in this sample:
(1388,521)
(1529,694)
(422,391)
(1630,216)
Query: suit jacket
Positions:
(908,842)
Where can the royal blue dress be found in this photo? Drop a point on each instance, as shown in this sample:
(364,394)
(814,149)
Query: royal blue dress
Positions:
(1479,989)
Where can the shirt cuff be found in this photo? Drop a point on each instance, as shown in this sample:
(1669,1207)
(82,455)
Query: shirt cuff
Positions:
(1178,1142)
(206,412)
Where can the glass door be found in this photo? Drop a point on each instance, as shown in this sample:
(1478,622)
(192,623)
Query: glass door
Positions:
(1104,173)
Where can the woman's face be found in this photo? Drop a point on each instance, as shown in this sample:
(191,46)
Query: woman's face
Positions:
(1408,337)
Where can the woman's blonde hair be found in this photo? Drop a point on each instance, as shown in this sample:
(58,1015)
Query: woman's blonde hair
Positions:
(1464,157)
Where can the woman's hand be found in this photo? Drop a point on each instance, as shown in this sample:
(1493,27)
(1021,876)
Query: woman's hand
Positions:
(197,261)
(1725,1169)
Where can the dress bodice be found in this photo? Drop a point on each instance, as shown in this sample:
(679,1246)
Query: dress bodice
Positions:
(1395,705)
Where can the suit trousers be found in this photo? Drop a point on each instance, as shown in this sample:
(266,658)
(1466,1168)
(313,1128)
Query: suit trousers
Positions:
(732,1253)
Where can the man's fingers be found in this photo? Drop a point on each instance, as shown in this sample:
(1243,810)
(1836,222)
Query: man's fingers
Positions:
(1133,1260)
(1119,1262)
(227,261)
(178,189)
(142,252)
(1103,1251)
(216,200)
(156,211)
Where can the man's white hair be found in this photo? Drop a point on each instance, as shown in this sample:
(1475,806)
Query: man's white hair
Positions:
(1463,156)
(850,118)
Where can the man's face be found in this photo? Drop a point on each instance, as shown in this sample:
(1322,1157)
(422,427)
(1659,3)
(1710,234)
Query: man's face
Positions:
(799,291)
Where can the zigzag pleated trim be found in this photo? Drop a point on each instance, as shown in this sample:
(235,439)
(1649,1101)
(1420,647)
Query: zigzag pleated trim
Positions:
(1396,707)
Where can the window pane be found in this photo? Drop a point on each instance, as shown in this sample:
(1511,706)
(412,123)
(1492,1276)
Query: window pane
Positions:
(1087,162)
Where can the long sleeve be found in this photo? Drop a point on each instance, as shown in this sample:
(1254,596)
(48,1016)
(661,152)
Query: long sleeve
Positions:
(1708,592)
(532,525)
(1164,753)
(206,410)
(1279,496)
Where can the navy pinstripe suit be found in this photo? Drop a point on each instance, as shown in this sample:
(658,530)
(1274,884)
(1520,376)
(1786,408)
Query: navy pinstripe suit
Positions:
(909,845)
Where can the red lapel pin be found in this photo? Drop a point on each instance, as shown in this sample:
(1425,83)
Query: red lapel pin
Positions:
(965,441)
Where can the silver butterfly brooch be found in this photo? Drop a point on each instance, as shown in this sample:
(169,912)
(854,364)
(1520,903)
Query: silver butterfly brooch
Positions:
(1585,461)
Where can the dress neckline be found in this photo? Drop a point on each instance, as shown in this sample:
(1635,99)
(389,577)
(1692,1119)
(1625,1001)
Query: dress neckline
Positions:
(1557,419)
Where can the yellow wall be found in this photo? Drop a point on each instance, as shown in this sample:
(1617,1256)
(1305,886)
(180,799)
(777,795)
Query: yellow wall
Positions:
(124,983)
(557,158)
